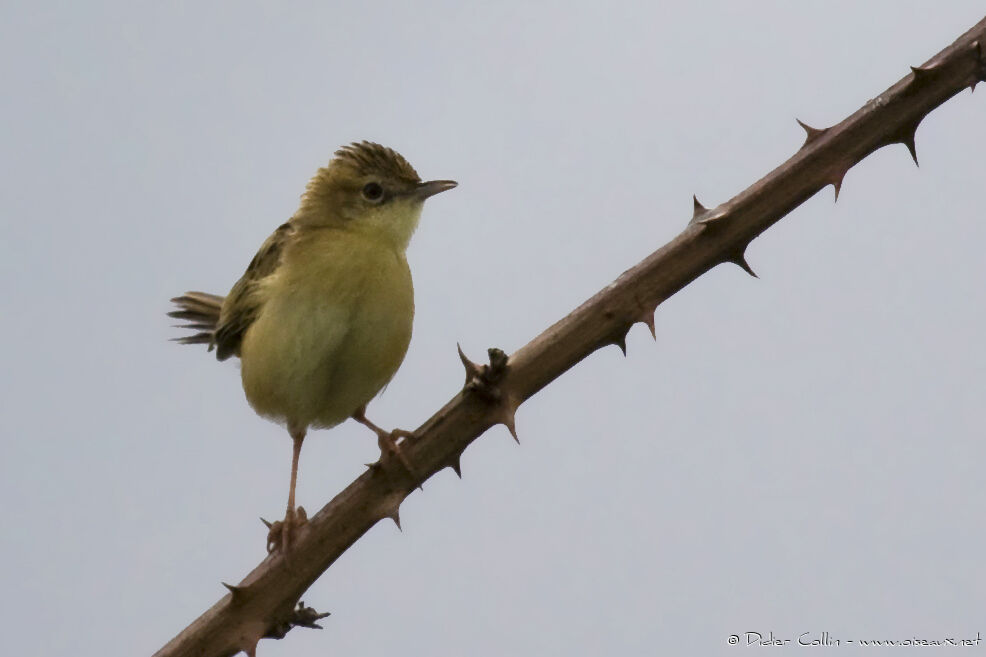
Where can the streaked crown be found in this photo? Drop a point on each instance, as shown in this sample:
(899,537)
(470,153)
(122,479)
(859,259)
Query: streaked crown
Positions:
(367,158)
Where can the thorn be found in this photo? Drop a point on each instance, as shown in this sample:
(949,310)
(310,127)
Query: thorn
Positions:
(267,522)
(905,135)
(814,134)
(472,369)
(507,420)
(921,74)
(699,209)
(456,465)
(740,260)
(699,212)
(648,319)
(908,141)
(238,592)
(619,338)
(394,512)
(513,431)
(836,176)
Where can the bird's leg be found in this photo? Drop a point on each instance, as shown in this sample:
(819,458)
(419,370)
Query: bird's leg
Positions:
(282,533)
(290,516)
(387,440)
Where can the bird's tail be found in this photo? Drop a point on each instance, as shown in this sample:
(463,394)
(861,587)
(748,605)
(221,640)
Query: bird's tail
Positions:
(201,311)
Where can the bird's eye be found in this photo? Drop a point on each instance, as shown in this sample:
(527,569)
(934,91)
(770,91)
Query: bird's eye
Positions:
(373,192)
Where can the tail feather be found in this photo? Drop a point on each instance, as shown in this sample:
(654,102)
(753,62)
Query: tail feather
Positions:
(200,311)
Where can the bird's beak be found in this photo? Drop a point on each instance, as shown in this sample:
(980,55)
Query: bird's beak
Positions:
(432,187)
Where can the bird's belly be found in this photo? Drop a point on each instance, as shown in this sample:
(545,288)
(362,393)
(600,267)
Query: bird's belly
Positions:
(318,353)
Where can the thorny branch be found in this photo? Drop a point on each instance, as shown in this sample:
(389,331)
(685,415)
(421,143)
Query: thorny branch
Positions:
(265,603)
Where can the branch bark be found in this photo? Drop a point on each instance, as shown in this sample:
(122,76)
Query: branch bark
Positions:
(265,603)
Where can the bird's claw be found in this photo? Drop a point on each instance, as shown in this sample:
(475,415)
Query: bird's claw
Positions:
(390,451)
(390,447)
(282,532)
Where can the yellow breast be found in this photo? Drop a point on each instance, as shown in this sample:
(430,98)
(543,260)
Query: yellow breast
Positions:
(334,327)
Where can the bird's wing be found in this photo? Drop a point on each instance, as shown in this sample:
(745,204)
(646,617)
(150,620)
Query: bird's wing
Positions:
(243,304)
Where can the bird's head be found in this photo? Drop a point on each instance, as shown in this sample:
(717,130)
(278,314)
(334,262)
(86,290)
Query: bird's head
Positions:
(368,188)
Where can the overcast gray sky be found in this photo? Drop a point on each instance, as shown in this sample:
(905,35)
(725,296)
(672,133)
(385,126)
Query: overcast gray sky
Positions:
(799,453)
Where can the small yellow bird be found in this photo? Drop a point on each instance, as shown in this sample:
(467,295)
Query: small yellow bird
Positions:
(321,320)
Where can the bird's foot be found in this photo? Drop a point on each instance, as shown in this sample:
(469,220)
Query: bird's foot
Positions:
(390,446)
(390,450)
(281,534)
